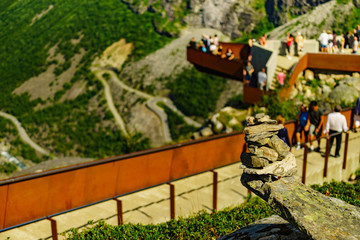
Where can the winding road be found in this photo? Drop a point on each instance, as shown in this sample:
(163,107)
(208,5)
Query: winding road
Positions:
(151,103)
(23,134)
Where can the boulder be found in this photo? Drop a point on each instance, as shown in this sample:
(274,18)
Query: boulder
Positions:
(326,90)
(309,75)
(258,136)
(323,76)
(279,146)
(330,81)
(262,128)
(205,132)
(356,75)
(353,82)
(253,161)
(344,93)
(273,227)
(264,152)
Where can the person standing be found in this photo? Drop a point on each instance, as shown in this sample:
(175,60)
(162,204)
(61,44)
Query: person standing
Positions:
(281,77)
(289,41)
(355,45)
(323,38)
(283,133)
(314,124)
(336,123)
(357,115)
(302,118)
(262,79)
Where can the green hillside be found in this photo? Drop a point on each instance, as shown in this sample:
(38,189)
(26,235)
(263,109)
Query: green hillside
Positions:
(71,127)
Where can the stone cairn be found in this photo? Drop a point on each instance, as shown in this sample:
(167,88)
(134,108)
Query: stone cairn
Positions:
(269,158)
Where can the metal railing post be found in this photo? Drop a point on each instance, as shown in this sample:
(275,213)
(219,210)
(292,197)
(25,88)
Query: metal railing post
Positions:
(306,149)
(172,201)
(119,209)
(346,149)
(215,189)
(327,153)
(54,231)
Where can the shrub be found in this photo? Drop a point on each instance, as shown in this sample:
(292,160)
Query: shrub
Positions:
(7,167)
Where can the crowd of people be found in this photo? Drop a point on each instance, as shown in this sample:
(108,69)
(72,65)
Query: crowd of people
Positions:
(310,123)
(332,43)
(210,44)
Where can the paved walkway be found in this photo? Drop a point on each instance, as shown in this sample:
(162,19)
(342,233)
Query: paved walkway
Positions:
(24,135)
(192,194)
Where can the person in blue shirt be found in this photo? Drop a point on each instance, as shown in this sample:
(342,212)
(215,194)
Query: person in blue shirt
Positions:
(302,118)
(283,133)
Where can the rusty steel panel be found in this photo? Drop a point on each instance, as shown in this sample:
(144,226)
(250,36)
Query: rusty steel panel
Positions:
(143,171)
(27,201)
(252,94)
(3,199)
(205,156)
(338,62)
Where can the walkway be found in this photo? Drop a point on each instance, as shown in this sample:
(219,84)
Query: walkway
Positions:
(192,194)
(24,135)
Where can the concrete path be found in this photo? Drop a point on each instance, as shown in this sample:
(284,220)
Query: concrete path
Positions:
(24,135)
(192,194)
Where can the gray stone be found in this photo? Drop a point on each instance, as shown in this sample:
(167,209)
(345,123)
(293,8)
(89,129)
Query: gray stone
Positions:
(284,168)
(266,119)
(262,128)
(264,152)
(259,115)
(344,93)
(205,132)
(330,81)
(356,75)
(323,76)
(280,146)
(253,161)
(250,121)
(317,215)
(273,227)
(258,136)
(260,142)
(309,75)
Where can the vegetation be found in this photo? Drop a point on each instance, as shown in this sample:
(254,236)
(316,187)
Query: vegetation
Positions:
(196,93)
(7,167)
(203,225)
(179,129)
(206,225)
(25,45)
(347,22)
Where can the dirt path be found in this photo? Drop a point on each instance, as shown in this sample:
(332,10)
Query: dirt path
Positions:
(24,135)
(118,119)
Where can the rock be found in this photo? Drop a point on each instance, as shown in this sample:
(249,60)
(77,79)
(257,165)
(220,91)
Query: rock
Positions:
(266,119)
(323,76)
(260,142)
(205,132)
(253,161)
(284,168)
(317,215)
(353,82)
(326,90)
(264,152)
(250,121)
(259,115)
(258,136)
(357,3)
(273,227)
(330,81)
(217,125)
(279,146)
(337,76)
(356,75)
(196,135)
(309,75)
(234,122)
(308,94)
(293,93)
(343,93)
(262,128)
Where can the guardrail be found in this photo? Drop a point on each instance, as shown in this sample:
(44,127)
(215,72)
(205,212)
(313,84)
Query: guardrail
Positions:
(39,196)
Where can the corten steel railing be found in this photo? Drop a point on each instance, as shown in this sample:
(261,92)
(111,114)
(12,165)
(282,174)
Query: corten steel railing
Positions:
(348,113)
(44,195)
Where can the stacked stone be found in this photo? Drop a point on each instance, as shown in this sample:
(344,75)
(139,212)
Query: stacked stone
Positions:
(270,157)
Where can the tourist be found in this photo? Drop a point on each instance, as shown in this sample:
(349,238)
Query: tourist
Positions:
(192,43)
(302,119)
(357,115)
(289,40)
(336,124)
(206,42)
(249,69)
(219,50)
(324,37)
(347,40)
(262,79)
(247,78)
(330,42)
(262,40)
(213,48)
(281,77)
(229,55)
(314,124)
(342,43)
(250,43)
(334,42)
(283,133)
(202,47)
(216,40)
(355,45)
(299,40)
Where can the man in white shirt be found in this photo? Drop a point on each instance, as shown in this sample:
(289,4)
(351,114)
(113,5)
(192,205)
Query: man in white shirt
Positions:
(262,79)
(324,38)
(336,123)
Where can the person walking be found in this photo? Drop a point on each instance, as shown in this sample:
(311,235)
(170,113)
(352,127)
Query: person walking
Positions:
(314,124)
(262,79)
(302,118)
(357,115)
(336,123)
